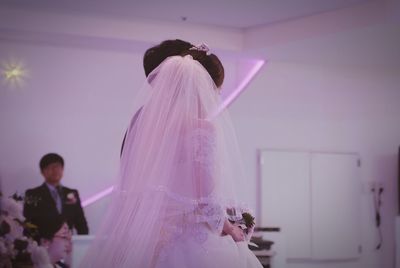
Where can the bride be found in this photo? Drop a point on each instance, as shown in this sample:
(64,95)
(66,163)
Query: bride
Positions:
(179,164)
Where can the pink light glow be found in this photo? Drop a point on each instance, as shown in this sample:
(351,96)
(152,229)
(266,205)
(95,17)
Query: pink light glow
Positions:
(242,85)
(235,93)
(97,196)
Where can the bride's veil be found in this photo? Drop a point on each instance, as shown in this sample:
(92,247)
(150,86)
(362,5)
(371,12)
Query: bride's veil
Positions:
(179,155)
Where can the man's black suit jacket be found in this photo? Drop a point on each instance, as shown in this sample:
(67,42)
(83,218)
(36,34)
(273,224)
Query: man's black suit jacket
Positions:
(40,209)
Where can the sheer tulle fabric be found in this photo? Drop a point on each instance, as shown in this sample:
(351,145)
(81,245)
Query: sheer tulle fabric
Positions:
(178,167)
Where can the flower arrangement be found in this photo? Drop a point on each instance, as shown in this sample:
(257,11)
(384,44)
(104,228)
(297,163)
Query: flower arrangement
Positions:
(17,244)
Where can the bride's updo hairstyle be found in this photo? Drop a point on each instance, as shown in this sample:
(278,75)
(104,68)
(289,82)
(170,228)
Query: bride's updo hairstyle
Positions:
(157,54)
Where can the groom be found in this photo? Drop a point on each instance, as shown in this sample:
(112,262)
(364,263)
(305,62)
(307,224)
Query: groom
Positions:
(51,202)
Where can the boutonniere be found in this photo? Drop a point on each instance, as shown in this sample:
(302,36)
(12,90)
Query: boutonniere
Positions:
(71,199)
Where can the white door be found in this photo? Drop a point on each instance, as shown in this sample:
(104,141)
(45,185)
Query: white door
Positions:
(336,194)
(285,198)
(315,199)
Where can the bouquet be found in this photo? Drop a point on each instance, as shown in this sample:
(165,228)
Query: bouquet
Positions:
(244,219)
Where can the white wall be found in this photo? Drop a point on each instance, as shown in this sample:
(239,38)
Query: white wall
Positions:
(75,102)
(299,106)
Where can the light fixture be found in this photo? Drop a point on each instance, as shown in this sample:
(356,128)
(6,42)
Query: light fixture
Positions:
(13,73)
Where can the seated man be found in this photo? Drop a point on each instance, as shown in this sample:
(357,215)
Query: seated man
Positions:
(52,202)
(55,247)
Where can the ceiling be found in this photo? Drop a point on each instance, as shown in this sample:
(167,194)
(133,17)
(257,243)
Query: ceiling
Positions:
(375,45)
(227,13)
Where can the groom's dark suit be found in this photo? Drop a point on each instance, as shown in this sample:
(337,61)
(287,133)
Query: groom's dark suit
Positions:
(40,209)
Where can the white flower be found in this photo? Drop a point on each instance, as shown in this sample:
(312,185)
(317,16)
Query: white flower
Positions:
(16,229)
(71,198)
(13,208)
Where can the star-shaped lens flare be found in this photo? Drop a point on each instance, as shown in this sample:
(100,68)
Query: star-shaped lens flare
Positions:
(13,73)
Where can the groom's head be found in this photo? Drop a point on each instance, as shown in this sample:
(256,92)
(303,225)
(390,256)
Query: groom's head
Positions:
(52,168)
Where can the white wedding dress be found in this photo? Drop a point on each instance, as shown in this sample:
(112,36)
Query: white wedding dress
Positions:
(194,239)
(178,169)
(216,252)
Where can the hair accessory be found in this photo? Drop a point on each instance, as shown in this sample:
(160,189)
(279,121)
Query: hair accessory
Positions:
(201,47)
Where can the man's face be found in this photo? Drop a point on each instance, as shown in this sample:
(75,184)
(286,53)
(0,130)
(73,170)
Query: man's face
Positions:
(53,173)
(60,247)
(61,244)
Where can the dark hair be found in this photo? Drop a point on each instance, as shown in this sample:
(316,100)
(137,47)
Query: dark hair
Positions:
(50,159)
(47,230)
(157,54)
